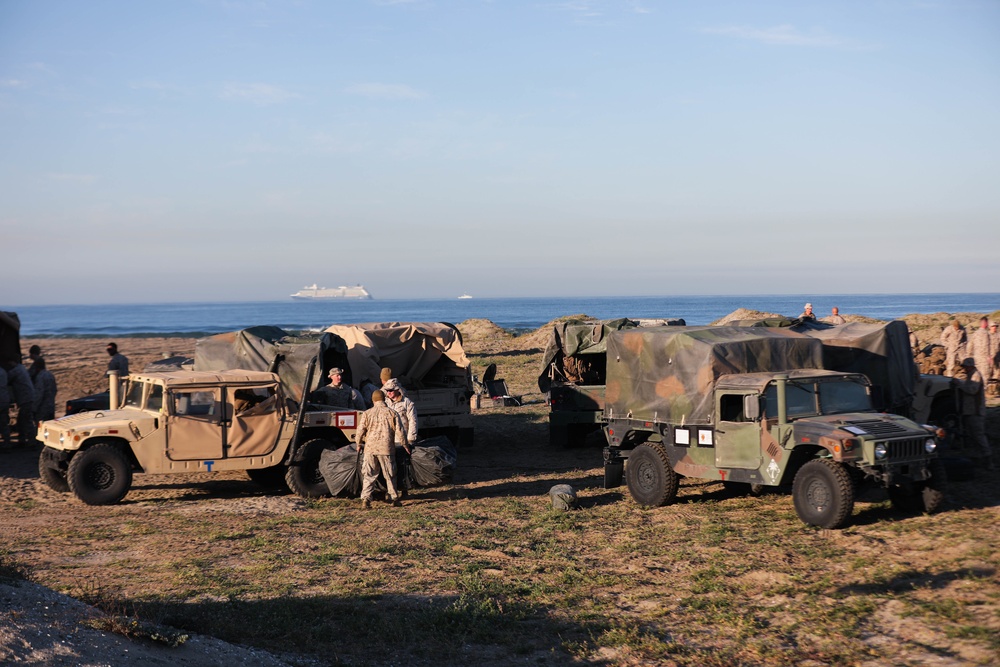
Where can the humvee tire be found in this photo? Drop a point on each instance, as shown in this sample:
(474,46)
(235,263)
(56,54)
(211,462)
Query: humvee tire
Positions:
(823,494)
(303,476)
(54,478)
(100,474)
(269,478)
(924,497)
(650,478)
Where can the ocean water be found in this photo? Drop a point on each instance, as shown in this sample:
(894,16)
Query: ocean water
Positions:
(516,314)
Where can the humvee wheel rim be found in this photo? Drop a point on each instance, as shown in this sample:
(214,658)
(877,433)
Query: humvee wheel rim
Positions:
(646,476)
(100,475)
(818,495)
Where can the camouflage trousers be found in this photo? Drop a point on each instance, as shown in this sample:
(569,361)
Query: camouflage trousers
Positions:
(371,466)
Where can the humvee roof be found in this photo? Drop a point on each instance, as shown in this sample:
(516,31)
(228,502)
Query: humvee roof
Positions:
(759,381)
(185,378)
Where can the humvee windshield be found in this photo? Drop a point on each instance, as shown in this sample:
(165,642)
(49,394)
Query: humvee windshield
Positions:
(806,398)
(154,400)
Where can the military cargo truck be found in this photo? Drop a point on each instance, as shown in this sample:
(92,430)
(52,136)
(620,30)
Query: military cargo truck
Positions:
(753,406)
(428,360)
(206,421)
(572,375)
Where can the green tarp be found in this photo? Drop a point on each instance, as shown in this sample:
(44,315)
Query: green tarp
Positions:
(574,338)
(257,348)
(880,351)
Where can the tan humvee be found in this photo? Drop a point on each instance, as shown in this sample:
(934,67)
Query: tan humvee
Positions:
(192,421)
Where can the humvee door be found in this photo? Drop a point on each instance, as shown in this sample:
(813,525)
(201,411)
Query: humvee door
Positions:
(255,424)
(737,433)
(194,423)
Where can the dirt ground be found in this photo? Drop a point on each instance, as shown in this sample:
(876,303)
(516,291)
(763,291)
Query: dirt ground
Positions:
(136,549)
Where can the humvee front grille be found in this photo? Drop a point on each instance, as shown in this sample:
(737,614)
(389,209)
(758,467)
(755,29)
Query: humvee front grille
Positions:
(901,450)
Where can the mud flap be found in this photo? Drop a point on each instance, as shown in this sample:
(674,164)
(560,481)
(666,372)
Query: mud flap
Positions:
(614,469)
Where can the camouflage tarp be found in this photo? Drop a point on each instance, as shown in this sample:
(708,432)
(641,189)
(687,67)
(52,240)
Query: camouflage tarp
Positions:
(668,374)
(880,351)
(421,354)
(572,338)
(256,348)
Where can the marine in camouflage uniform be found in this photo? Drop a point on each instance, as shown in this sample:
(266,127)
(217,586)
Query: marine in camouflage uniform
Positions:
(954,340)
(45,391)
(22,393)
(377,432)
(979,347)
(338,395)
(405,408)
(972,408)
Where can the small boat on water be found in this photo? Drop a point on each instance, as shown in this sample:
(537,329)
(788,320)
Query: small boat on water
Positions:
(465,296)
(314,292)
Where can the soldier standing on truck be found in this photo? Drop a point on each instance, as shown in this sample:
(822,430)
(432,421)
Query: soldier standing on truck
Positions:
(835,317)
(972,408)
(953,338)
(337,394)
(405,409)
(378,430)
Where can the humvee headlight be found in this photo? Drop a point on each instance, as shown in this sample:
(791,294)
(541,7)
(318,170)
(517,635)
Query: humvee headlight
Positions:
(930,445)
(45,434)
(62,438)
(881,451)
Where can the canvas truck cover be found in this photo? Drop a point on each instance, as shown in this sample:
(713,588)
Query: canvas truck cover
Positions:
(571,338)
(10,337)
(421,354)
(256,348)
(668,374)
(880,351)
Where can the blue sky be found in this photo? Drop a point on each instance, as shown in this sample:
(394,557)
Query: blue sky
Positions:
(225,150)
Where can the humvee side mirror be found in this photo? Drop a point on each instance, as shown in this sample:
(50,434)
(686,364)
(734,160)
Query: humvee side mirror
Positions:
(751,407)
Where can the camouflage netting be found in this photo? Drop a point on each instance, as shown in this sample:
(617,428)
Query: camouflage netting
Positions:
(420,354)
(256,349)
(570,342)
(669,373)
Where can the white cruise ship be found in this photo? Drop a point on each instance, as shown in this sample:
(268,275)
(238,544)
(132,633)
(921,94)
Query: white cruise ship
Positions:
(311,292)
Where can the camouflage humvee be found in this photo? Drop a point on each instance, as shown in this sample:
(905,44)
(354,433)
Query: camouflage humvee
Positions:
(193,421)
(753,406)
